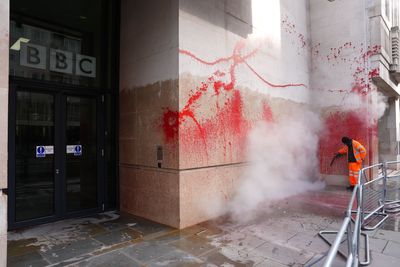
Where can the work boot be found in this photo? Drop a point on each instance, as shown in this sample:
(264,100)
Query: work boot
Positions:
(350,187)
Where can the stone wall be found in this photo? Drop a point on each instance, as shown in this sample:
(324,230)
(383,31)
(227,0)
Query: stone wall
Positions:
(197,76)
(240,62)
(4,43)
(149,187)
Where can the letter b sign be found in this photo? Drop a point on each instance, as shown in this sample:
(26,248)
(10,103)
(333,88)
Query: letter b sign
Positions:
(60,61)
(33,56)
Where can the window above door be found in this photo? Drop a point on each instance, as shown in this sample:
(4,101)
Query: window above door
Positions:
(69,42)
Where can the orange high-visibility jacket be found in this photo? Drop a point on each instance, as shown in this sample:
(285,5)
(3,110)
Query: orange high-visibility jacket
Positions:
(359,151)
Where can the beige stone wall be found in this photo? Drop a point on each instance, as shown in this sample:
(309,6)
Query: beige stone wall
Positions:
(196,76)
(206,193)
(150,193)
(4,40)
(240,62)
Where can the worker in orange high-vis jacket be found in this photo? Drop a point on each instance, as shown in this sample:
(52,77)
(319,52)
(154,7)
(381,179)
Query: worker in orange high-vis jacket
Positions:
(355,155)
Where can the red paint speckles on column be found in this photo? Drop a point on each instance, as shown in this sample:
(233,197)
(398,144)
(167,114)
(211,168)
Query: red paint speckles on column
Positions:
(356,56)
(373,73)
(290,28)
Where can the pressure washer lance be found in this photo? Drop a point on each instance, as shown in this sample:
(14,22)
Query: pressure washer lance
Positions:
(337,155)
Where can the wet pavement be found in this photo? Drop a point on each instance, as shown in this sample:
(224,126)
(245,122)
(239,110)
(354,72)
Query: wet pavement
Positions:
(282,234)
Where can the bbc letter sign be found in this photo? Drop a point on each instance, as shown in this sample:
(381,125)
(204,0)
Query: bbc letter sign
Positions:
(35,56)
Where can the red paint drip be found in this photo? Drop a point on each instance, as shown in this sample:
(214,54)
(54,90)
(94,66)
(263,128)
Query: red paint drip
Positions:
(267,113)
(236,111)
(275,85)
(210,63)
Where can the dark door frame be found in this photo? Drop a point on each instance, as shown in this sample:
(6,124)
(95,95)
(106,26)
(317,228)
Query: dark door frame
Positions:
(60,92)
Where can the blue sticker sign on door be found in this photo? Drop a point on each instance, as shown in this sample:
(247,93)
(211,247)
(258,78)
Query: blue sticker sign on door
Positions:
(78,150)
(40,152)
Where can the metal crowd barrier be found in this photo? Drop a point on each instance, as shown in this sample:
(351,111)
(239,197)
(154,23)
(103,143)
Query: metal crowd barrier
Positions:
(376,195)
(350,233)
(373,196)
(392,193)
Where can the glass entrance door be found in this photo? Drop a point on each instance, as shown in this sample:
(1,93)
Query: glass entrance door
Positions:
(57,156)
(34,156)
(81,153)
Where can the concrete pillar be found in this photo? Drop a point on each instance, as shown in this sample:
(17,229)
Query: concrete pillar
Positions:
(4,42)
(148,164)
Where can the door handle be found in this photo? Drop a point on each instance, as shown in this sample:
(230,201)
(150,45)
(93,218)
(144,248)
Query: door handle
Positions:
(57,171)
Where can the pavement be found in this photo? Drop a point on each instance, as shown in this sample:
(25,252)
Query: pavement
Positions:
(281,234)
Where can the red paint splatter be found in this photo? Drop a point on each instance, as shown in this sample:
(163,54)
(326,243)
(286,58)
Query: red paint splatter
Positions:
(238,57)
(373,73)
(362,75)
(267,113)
(170,125)
(290,28)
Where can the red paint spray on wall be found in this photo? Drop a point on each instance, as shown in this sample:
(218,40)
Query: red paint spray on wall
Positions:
(230,117)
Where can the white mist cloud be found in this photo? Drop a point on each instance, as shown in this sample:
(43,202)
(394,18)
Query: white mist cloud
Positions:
(370,108)
(378,106)
(284,162)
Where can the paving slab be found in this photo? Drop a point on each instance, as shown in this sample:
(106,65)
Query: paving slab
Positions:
(311,243)
(70,250)
(91,229)
(111,259)
(21,247)
(118,236)
(240,241)
(33,259)
(282,254)
(176,258)
(147,251)
(144,226)
(71,261)
(392,249)
(387,235)
(245,255)
(269,263)
(319,260)
(382,260)
(221,258)
(375,244)
(194,245)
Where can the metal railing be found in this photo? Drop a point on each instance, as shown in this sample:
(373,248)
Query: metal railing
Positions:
(371,201)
